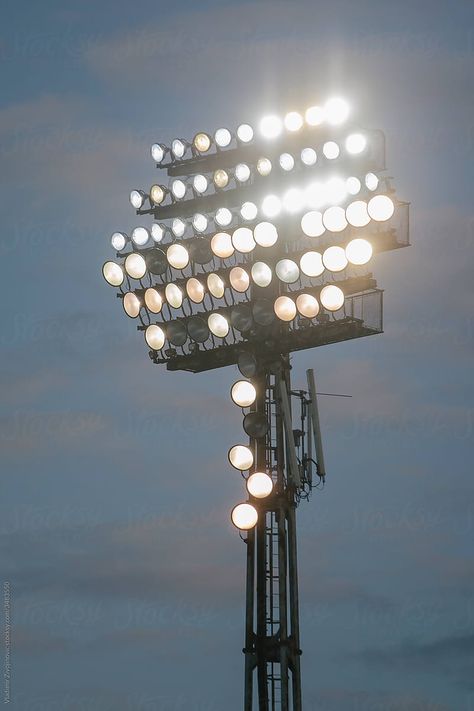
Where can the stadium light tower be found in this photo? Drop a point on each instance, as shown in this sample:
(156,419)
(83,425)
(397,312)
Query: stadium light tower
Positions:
(259,245)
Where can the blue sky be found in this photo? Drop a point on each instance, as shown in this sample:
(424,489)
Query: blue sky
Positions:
(127,580)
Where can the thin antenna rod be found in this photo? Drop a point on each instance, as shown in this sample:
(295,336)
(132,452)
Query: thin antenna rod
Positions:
(315,422)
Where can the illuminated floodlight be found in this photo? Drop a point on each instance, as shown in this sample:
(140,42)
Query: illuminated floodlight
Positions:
(381,208)
(221,178)
(334,219)
(174,296)
(287,271)
(200,222)
(178,227)
(259,485)
(371,181)
(293,200)
(218,325)
(356,214)
(307,305)
(178,188)
(245,133)
(178,148)
(157,232)
(261,274)
(353,185)
(135,265)
(265,234)
(201,142)
(287,162)
(118,241)
(140,236)
(335,190)
(155,337)
(157,194)
(153,300)
(240,457)
(336,111)
(311,264)
(314,116)
(264,166)
(359,251)
(113,273)
(131,304)
(331,297)
(315,195)
(177,256)
(222,137)
(195,290)
(249,211)
(242,239)
(270,126)
(200,184)
(243,393)
(356,143)
(221,245)
(334,259)
(215,285)
(285,308)
(309,156)
(312,224)
(137,198)
(271,206)
(157,152)
(331,150)
(242,173)
(244,516)
(239,279)
(293,121)
(223,216)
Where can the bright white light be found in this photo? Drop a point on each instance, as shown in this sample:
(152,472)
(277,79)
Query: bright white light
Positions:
(178,227)
(359,251)
(331,150)
(113,274)
(202,142)
(242,239)
(157,152)
(157,194)
(244,516)
(215,285)
(221,245)
(155,337)
(315,195)
(118,241)
(265,234)
(264,166)
(239,279)
(221,178)
(335,190)
(371,181)
(174,295)
(270,126)
(178,188)
(223,216)
(243,393)
(137,198)
(200,183)
(293,121)
(153,301)
(195,290)
(336,111)
(157,232)
(178,148)
(331,297)
(356,143)
(311,264)
(314,116)
(308,156)
(245,133)
(261,274)
(307,305)
(381,208)
(259,485)
(249,211)
(140,236)
(135,265)
(131,304)
(271,206)
(287,271)
(200,222)
(177,256)
(353,185)
(334,219)
(356,213)
(312,224)
(334,259)
(287,162)
(218,325)
(293,200)
(285,308)
(222,137)
(242,172)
